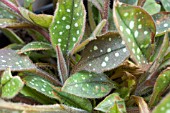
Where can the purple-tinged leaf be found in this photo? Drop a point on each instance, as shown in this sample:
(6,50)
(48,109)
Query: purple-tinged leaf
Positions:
(88,85)
(137,29)
(143,107)
(10,59)
(163,106)
(110,101)
(35,46)
(6,76)
(68,25)
(44,87)
(160,86)
(12,88)
(166,4)
(103,54)
(61,65)
(162,21)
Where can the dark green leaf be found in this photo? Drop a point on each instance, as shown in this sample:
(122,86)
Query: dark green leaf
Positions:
(10,59)
(88,85)
(137,29)
(132,2)
(163,106)
(35,46)
(44,87)
(105,53)
(160,86)
(162,21)
(110,101)
(68,25)
(12,88)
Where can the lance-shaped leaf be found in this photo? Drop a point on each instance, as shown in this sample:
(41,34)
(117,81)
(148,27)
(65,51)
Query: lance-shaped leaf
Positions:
(166,4)
(163,106)
(39,19)
(12,88)
(143,107)
(6,76)
(137,29)
(61,65)
(5,14)
(35,46)
(68,25)
(10,59)
(88,85)
(93,36)
(9,107)
(44,87)
(110,101)
(162,21)
(103,54)
(151,7)
(161,54)
(160,86)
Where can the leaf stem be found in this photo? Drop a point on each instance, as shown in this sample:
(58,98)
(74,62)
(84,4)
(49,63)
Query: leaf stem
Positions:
(11,5)
(105,14)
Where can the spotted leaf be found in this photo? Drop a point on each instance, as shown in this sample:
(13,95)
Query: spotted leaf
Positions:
(105,53)
(10,59)
(39,19)
(132,2)
(163,106)
(143,107)
(5,14)
(53,92)
(160,86)
(162,21)
(88,85)
(151,7)
(35,46)
(6,76)
(166,4)
(137,29)
(110,101)
(68,25)
(12,88)
(93,36)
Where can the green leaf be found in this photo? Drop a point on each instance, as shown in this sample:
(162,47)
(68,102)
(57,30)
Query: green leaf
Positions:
(160,86)
(9,107)
(31,93)
(35,46)
(163,106)
(162,21)
(6,76)
(109,102)
(132,2)
(114,109)
(143,107)
(12,36)
(28,3)
(151,7)
(93,36)
(68,25)
(12,88)
(10,59)
(166,4)
(39,19)
(88,85)
(103,54)
(5,14)
(44,87)
(137,29)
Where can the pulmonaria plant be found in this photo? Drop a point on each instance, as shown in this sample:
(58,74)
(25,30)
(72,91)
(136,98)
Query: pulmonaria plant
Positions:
(119,54)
